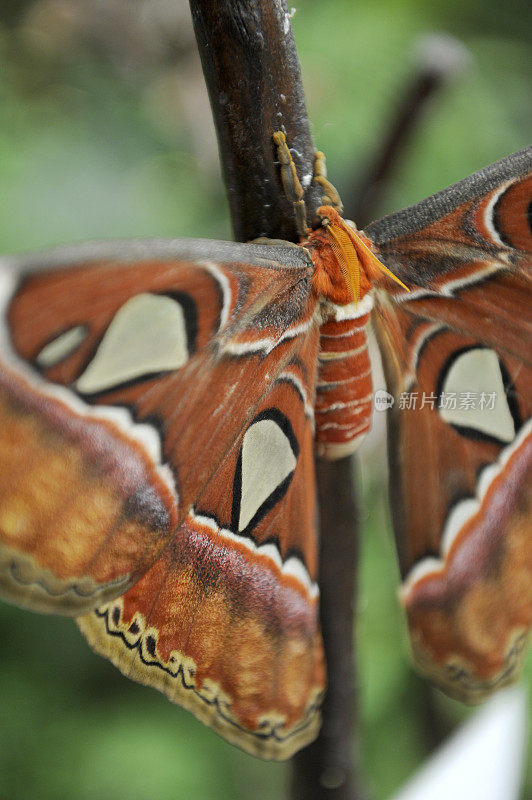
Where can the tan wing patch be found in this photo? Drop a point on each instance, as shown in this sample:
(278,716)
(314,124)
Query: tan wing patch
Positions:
(239,647)
(79,519)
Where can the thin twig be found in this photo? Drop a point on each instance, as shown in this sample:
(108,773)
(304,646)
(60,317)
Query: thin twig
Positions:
(438,58)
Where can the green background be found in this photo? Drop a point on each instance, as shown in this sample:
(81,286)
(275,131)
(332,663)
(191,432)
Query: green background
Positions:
(105,132)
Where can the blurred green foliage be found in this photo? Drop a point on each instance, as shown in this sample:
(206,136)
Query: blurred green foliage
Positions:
(96,146)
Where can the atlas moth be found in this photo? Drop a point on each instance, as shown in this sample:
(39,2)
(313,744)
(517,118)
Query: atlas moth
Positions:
(160,406)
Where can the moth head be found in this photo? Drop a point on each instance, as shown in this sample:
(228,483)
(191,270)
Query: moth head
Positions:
(327,216)
(346,267)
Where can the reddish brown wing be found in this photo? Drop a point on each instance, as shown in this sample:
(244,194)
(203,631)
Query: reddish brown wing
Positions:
(226,621)
(459,347)
(156,423)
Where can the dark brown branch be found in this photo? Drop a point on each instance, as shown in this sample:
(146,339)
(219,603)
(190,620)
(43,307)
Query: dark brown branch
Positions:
(326,770)
(253,76)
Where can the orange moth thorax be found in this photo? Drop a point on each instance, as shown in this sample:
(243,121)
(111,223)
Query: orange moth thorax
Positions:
(345,269)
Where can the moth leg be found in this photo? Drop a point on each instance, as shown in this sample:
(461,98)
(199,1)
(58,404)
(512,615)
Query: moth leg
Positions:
(330,195)
(291,185)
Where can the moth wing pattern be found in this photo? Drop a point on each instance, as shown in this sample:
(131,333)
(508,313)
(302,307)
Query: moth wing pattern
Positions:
(458,345)
(86,499)
(204,442)
(157,426)
(226,621)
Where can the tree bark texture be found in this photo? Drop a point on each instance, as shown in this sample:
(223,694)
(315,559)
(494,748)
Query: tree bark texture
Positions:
(253,77)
